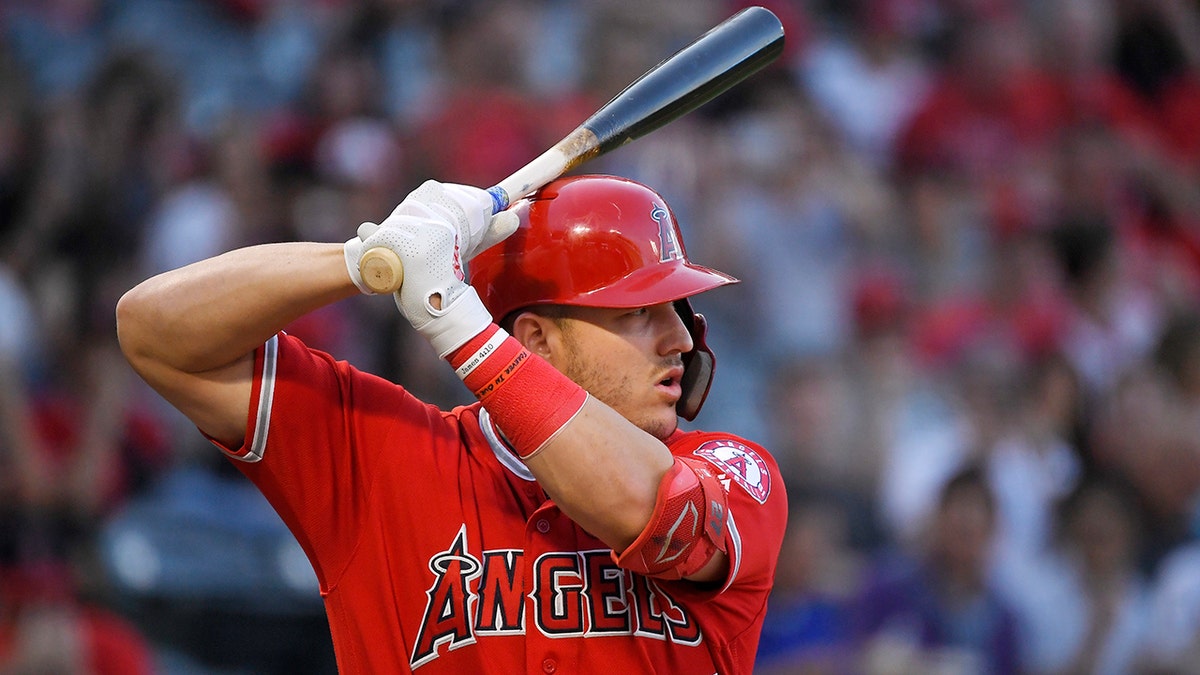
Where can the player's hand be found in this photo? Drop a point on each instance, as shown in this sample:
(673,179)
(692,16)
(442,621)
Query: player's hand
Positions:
(435,297)
(468,209)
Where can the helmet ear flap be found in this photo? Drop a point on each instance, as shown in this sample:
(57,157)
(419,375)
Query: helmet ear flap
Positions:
(698,364)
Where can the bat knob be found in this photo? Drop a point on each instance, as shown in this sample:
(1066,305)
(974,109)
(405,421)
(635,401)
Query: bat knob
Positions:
(381,270)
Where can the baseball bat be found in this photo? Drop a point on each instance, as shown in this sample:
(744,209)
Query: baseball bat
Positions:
(727,54)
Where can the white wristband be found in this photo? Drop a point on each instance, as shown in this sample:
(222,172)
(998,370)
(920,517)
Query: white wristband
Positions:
(485,351)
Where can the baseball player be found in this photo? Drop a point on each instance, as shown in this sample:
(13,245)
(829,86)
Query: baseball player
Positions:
(563,523)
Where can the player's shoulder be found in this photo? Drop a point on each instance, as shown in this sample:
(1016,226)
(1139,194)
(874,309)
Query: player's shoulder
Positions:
(288,358)
(737,460)
(716,443)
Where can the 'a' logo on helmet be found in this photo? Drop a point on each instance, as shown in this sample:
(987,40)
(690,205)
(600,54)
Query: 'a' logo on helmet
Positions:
(668,239)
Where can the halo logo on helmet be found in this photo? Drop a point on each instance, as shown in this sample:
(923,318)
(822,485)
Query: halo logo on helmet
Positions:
(669,248)
(586,241)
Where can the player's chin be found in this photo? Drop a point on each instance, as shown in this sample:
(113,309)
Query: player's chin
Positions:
(661,422)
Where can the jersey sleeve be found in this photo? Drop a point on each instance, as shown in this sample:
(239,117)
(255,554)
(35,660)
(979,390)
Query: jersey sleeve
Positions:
(757,504)
(316,432)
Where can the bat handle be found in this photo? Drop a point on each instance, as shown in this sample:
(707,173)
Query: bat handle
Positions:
(380,267)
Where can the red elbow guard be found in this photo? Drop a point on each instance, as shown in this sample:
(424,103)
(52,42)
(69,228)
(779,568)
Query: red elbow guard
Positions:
(687,527)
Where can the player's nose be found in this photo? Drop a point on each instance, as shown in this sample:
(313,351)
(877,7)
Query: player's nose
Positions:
(674,337)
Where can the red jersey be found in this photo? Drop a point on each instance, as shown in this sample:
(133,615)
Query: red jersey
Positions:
(437,551)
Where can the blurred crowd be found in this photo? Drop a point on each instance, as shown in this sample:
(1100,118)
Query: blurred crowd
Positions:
(969,328)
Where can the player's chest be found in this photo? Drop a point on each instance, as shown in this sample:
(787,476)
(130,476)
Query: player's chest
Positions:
(471,574)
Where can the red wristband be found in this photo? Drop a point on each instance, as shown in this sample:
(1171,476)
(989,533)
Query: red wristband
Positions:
(529,399)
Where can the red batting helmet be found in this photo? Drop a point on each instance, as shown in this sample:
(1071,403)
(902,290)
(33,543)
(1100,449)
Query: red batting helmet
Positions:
(600,241)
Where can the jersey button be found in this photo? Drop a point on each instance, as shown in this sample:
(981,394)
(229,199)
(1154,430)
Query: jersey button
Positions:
(549,665)
(543,526)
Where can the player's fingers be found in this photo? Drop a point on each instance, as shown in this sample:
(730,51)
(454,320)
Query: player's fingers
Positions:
(416,207)
(473,200)
(501,226)
(367,229)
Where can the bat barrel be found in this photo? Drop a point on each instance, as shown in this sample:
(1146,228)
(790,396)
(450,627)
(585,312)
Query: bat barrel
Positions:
(730,52)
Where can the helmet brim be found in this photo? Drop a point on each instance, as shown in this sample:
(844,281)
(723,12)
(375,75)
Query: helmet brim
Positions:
(654,285)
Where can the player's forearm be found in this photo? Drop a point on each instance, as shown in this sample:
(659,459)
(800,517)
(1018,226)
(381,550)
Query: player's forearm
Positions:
(603,472)
(599,468)
(211,313)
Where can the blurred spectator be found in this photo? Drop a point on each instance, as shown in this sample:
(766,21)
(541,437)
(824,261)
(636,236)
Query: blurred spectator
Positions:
(1177,356)
(952,418)
(792,202)
(1144,435)
(199,557)
(60,41)
(1035,465)
(18,321)
(815,431)
(67,464)
(807,629)
(481,128)
(1174,631)
(935,610)
(1155,45)
(1114,318)
(73,457)
(988,105)
(1085,607)
(868,75)
(45,629)
(19,108)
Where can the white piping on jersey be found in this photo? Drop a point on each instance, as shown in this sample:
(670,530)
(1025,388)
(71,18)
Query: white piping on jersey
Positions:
(736,538)
(506,456)
(266,398)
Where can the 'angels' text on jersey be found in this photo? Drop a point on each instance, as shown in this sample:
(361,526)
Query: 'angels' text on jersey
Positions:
(572,594)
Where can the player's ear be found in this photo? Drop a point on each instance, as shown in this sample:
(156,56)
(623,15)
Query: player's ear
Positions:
(536,332)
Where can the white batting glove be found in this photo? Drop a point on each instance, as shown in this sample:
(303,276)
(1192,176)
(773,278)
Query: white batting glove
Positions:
(433,231)
(468,209)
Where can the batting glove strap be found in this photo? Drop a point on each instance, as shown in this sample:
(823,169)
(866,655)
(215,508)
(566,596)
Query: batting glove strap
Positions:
(452,326)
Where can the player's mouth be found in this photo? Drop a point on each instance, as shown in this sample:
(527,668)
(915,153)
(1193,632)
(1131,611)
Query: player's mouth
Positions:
(670,385)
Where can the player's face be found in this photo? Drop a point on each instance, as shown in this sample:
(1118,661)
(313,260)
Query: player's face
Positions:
(631,359)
